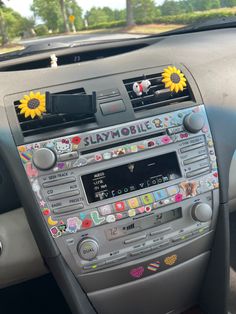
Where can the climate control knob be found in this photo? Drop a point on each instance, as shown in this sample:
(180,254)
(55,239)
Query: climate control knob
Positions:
(44,158)
(201,212)
(88,249)
(194,122)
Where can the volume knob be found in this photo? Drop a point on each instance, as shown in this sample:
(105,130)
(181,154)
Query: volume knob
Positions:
(201,212)
(194,122)
(44,158)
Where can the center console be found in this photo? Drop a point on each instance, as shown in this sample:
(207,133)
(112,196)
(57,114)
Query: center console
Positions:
(129,201)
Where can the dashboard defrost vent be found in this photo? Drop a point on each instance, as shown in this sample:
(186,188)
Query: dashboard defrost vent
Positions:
(157,96)
(51,122)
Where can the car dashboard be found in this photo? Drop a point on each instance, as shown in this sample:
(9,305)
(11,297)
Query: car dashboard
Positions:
(129,206)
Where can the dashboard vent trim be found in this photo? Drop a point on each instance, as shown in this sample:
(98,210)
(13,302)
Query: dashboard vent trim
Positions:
(157,96)
(52,122)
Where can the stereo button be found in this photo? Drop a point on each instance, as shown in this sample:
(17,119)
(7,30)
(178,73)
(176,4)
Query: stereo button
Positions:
(68,156)
(160,231)
(147,199)
(120,206)
(191,147)
(58,182)
(135,239)
(64,210)
(197,172)
(133,202)
(105,210)
(63,195)
(160,195)
(194,159)
(116,259)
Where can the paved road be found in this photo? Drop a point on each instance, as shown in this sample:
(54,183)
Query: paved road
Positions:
(78,38)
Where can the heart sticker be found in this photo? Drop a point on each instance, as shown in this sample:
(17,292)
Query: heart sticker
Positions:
(137,272)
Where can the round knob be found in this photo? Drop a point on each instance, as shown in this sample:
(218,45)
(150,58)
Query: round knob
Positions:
(88,249)
(44,158)
(194,122)
(201,212)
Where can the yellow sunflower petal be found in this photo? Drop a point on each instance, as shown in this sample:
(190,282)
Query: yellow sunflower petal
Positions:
(170,69)
(167,85)
(27,112)
(172,87)
(23,101)
(184,84)
(22,106)
(26,97)
(23,110)
(165,80)
(176,88)
(165,75)
(38,112)
(32,95)
(32,114)
(181,87)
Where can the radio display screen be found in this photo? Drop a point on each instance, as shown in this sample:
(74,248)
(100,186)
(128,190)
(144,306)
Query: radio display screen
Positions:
(131,177)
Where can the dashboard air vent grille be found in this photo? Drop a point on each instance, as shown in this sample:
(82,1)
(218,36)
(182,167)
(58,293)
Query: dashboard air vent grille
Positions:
(52,122)
(157,96)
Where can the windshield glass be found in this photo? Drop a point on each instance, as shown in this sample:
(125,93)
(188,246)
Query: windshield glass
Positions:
(36,22)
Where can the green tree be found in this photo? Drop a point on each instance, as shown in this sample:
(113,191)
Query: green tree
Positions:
(54,13)
(144,10)
(3,29)
(171,7)
(96,16)
(228,3)
(49,12)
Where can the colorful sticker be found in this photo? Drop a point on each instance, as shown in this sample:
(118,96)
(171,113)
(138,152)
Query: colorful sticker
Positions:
(30,170)
(73,224)
(96,218)
(55,232)
(137,272)
(46,211)
(52,222)
(189,188)
(170,260)
(63,146)
(87,223)
(158,123)
(26,156)
(154,267)
(36,188)
(110,218)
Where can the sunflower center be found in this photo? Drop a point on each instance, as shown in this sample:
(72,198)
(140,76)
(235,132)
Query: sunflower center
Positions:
(175,78)
(33,103)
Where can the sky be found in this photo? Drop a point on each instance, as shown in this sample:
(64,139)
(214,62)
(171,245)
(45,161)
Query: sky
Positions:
(23,6)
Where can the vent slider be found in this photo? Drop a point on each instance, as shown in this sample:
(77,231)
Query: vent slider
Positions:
(71,104)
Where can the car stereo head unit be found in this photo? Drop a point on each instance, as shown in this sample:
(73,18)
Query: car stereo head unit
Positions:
(112,195)
(131,177)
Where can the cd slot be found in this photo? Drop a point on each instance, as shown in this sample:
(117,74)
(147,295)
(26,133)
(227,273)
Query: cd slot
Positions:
(142,138)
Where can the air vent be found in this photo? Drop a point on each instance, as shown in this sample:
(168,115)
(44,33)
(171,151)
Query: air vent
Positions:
(157,96)
(51,122)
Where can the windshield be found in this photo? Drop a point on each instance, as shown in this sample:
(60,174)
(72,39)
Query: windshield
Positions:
(34,22)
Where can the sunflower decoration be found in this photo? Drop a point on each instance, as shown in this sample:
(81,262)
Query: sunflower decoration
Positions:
(174,79)
(32,105)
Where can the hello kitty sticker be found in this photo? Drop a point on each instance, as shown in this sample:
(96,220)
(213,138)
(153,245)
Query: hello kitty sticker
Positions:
(63,146)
